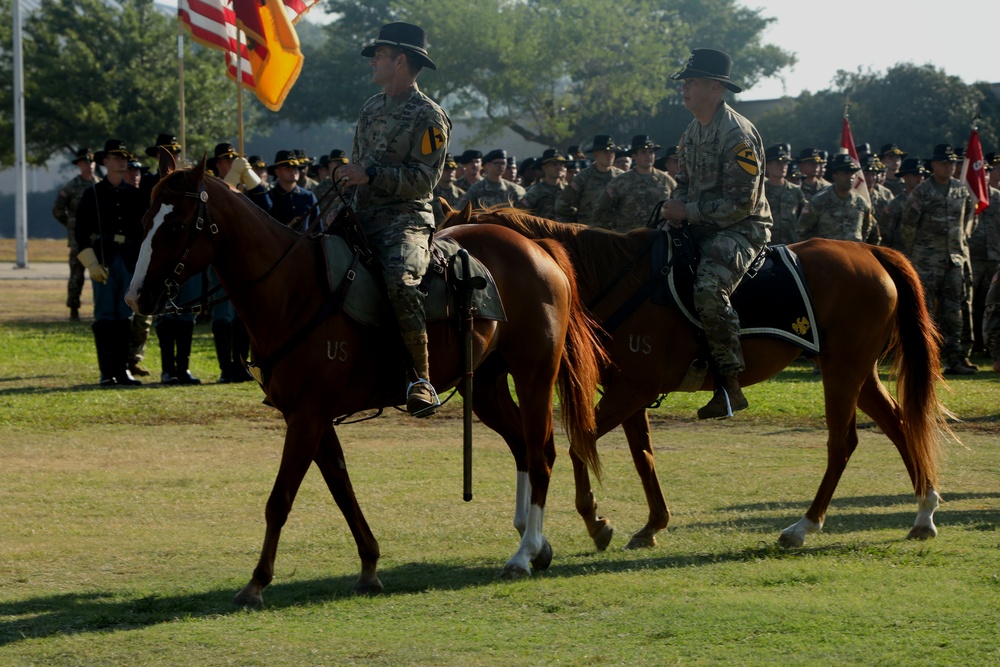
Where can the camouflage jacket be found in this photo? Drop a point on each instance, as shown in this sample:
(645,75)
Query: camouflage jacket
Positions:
(942,219)
(984,244)
(64,208)
(894,235)
(880,196)
(786,202)
(721,177)
(451,193)
(811,191)
(628,200)
(405,139)
(830,216)
(577,201)
(540,199)
(484,194)
(895,185)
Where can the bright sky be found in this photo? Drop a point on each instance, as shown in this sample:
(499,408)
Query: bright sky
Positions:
(877,34)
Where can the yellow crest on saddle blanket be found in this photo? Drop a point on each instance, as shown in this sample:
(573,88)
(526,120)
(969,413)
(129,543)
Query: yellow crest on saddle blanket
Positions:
(367,305)
(746,159)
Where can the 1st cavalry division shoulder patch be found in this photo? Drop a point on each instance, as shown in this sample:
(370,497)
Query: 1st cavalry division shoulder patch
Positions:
(432,141)
(746,159)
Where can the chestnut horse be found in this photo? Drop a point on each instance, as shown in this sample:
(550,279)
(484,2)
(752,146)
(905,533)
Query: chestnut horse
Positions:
(869,305)
(276,279)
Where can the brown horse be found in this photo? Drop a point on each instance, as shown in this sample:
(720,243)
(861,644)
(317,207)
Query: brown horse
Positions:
(276,279)
(869,305)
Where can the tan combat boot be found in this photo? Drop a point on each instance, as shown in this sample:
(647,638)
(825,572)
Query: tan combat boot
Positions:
(421,399)
(728,398)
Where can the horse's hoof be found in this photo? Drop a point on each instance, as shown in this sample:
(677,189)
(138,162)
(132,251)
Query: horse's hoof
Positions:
(602,538)
(641,541)
(514,572)
(544,557)
(249,598)
(922,533)
(368,587)
(791,540)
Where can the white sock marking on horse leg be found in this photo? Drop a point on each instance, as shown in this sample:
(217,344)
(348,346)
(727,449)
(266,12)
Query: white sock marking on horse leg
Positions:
(795,535)
(531,540)
(925,511)
(145,255)
(522,499)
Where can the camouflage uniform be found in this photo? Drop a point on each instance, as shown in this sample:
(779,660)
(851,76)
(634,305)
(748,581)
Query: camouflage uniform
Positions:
(404,139)
(811,191)
(721,182)
(578,201)
(830,216)
(895,185)
(451,193)
(991,320)
(786,202)
(881,196)
(984,253)
(541,198)
(64,210)
(485,194)
(890,226)
(628,200)
(940,217)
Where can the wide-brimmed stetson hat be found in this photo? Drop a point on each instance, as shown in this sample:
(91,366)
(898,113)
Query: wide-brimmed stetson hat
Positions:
(405,36)
(167,141)
(283,159)
(83,155)
(842,162)
(112,147)
(221,151)
(708,64)
(602,142)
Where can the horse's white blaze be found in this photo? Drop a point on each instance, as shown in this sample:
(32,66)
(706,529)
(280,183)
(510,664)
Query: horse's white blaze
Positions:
(145,255)
(795,535)
(925,511)
(531,541)
(522,499)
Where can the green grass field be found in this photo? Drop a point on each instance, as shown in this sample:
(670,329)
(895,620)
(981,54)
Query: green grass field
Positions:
(131,517)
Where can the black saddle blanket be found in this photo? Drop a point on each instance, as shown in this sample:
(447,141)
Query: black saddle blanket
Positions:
(771,300)
(368,305)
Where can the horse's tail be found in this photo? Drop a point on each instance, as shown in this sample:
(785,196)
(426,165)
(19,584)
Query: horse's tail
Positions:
(579,369)
(915,348)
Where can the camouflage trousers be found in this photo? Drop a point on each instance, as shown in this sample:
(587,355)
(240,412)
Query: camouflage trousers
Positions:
(944,289)
(991,319)
(725,258)
(404,251)
(74,287)
(982,274)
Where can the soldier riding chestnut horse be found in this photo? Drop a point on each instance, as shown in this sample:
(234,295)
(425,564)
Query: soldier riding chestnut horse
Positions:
(868,305)
(272,272)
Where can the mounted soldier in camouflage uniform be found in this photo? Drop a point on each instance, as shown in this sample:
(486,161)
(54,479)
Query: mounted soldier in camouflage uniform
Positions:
(720,196)
(399,153)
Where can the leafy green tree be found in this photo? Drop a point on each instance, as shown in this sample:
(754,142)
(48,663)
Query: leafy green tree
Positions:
(95,69)
(915,106)
(550,70)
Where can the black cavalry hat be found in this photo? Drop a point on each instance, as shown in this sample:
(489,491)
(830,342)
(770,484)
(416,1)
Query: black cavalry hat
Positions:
(221,150)
(256,161)
(870,164)
(777,153)
(406,36)
(811,155)
(283,158)
(83,155)
(912,165)
(842,162)
(168,141)
(449,161)
(891,149)
(551,155)
(708,64)
(339,156)
(641,141)
(944,153)
(602,142)
(112,146)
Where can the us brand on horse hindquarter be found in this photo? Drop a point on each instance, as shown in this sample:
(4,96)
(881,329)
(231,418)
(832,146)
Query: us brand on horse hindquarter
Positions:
(547,341)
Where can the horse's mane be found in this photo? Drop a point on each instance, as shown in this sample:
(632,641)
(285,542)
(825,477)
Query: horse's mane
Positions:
(598,255)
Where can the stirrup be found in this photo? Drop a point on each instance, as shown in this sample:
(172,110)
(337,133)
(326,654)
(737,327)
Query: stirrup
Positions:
(422,408)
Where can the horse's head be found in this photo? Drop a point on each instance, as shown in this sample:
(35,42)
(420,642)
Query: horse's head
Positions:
(178,242)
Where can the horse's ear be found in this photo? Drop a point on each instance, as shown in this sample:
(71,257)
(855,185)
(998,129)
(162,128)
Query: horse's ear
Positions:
(465,215)
(198,171)
(445,207)
(167,163)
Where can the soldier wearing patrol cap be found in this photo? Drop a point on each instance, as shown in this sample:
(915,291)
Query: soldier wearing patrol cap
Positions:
(577,203)
(940,213)
(629,199)
(810,163)
(540,199)
(109,233)
(398,156)
(64,211)
(785,199)
(493,189)
(720,198)
(839,212)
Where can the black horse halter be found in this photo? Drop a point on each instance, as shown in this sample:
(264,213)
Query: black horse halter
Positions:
(173,283)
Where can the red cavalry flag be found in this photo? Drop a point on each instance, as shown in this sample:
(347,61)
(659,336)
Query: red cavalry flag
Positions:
(974,172)
(847,146)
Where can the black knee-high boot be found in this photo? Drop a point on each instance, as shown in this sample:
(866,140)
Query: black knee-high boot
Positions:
(166,334)
(104,342)
(184,335)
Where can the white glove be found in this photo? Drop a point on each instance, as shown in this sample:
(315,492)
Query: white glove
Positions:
(235,174)
(250,179)
(88,258)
